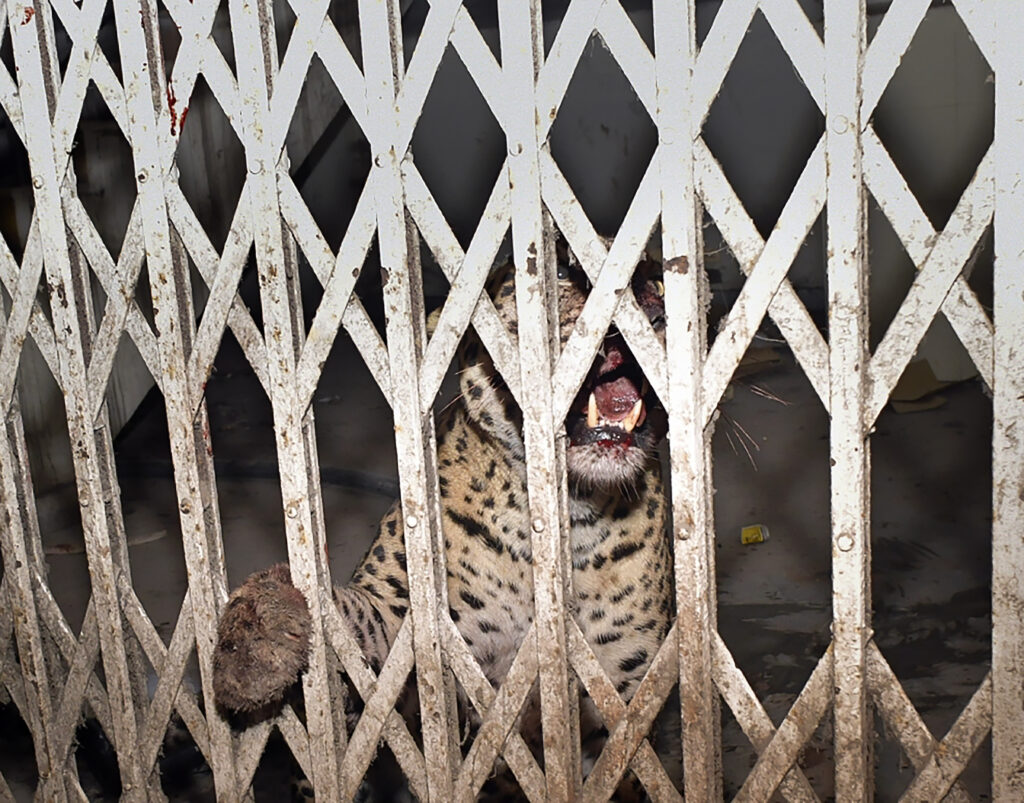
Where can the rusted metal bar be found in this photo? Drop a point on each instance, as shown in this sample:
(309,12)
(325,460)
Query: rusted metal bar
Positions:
(961,306)
(764,279)
(1008,413)
(950,756)
(609,286)
(574,32)
(37,659)
(932,284)
(476,55)
(890,42)
(71,301)
(802,44)
(901,717)
(396,732)
(717,52)
(217,271)
(20,558)
(81,25)
(592,253)
(780,754)
(522,48)
(122,312)
(467,273)
(80,657)
(256,53)
(221,273)
(845,37)
(170,284)
(415,439)
(630,52)
(170,693)
(199,52)
(22,283)
(741,235)
(12,275)
(378,706)
(980,19)
(753,719)
(426,57)
(10,671)
(251,743)
(307,33)
(627,725)
(337,276)
(482,697)
(344,71)
(500,711)
(686,296)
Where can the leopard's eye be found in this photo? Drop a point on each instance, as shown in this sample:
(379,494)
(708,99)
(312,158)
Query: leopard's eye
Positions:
(563,272)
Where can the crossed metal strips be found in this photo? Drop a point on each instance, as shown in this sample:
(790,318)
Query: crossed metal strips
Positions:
(940,284)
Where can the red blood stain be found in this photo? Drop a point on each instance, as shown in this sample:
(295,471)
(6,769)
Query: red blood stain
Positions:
(171,100)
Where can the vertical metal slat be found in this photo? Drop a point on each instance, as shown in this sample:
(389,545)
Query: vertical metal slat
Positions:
(415,440)
(20,560)
(685,299)
(70,301)
(522,48)
(253,34)
(1008,413)
(850,486)
(170,284)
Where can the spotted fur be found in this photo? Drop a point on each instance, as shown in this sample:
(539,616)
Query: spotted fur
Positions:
(621,556)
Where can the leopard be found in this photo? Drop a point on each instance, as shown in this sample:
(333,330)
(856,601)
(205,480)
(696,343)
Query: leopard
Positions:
(621,556)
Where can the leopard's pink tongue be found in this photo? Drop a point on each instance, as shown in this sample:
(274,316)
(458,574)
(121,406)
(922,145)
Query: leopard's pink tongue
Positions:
(615,402)
(616,399)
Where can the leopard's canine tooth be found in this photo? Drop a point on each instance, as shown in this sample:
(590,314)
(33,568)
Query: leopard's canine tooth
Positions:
(629,422)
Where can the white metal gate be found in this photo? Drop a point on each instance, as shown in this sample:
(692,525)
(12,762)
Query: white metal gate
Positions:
(51,673)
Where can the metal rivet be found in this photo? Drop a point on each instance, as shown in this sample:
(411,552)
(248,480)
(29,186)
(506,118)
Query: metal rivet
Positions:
(292,510)
(844,542)
(379,160)
(257,167)
(538,525)
(143,176)
(37,182)
(411,521)
(185,506)
(840,124)
(516,149)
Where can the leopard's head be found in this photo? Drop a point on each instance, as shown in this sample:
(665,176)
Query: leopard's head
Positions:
(612,426)
(614,422)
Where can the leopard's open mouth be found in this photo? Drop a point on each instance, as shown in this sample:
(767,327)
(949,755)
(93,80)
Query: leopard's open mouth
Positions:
(610,409)
(609,425)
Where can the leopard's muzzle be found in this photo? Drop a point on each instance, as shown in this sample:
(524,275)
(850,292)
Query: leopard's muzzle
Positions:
(609,429)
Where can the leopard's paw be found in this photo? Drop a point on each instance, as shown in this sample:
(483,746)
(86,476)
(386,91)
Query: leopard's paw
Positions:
(262,642)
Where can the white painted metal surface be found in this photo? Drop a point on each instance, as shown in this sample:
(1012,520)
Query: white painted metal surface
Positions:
(845,39)
(56,672)
(1008,408)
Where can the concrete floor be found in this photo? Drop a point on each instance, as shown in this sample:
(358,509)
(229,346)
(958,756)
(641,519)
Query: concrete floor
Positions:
(931,513)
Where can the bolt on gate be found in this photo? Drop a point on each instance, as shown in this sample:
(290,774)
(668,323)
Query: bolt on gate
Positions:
(54,676)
